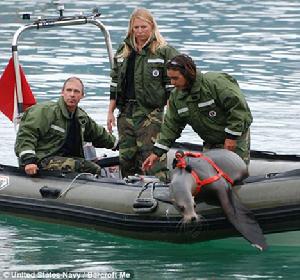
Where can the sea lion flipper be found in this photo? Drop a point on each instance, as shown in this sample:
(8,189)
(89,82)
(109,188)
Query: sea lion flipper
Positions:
(243,220)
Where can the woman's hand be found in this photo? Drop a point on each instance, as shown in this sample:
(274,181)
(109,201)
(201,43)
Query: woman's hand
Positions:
(111,121)
(149,161)
(230,144)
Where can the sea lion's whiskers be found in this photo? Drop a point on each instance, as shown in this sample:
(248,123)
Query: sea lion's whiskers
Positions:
(182,225)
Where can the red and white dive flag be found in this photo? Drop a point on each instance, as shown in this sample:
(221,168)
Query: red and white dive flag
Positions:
(8,100)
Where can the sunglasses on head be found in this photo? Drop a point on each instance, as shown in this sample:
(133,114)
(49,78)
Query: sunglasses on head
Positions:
(174,64)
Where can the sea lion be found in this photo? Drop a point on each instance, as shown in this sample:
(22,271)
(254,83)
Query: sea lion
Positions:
(217,188)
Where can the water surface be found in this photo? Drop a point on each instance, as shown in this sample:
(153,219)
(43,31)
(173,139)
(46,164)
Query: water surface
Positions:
(258,42)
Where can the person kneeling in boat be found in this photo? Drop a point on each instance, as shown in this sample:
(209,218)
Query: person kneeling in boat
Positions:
(212,104)
(51,134)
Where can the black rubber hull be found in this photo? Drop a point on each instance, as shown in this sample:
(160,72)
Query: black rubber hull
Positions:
(106,205)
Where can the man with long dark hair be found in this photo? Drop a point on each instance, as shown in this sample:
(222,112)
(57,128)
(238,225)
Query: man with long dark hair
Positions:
(211,103)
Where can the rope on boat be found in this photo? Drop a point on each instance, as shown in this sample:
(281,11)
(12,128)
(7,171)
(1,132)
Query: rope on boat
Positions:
(69,187)
(147,204)
(145,187)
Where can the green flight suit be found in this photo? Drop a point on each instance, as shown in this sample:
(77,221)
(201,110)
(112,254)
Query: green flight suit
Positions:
(139,120)
(215,108)
(43,132)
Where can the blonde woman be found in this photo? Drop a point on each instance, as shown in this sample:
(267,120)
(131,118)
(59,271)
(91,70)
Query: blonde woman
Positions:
(140,89)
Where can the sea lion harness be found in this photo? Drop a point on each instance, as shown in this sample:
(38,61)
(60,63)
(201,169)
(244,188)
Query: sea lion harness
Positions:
(180,162)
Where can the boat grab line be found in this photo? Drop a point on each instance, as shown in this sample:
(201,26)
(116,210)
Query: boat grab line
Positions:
(69,187)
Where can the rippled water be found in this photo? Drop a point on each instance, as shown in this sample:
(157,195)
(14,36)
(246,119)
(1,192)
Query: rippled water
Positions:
(39,247)
(256,41)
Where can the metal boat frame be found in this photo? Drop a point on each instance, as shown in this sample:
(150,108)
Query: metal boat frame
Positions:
(44,23)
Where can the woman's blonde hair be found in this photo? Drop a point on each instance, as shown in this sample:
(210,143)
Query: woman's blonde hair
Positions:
(145,15)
